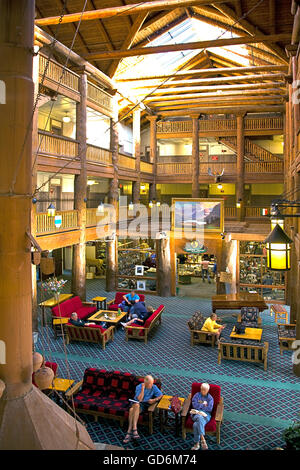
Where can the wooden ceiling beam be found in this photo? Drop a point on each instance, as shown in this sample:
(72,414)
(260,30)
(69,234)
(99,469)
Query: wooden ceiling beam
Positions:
(220,80)
(211,72)
(200,89)
(251,29)
(124,10)
(137,51)
(234,94)
(129,40)
(178,104)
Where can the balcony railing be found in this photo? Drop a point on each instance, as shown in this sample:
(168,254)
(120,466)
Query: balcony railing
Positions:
(126,162)
(57,74)
(57,145)
(45,224)
(146,167)
(98,155)
(185,168)
(99,97)
(215,125)
(264,167)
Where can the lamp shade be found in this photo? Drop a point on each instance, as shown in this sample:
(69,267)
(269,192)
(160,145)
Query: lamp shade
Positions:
(278,250)
(2,387)
(51,210)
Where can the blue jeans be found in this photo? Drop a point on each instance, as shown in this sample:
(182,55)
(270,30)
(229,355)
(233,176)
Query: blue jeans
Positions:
(125,307)
(199,426)
(205,271)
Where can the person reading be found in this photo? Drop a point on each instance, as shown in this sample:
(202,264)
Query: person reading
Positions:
(212,326)
(74,320)
(146,394)
(202,403)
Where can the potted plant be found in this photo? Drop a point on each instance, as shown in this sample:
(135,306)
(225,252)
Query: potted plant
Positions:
(291,436)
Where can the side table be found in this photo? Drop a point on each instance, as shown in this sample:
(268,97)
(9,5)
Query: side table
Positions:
(164,410)
(101,302)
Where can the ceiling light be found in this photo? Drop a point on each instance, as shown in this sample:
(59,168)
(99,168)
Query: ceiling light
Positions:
(66,118)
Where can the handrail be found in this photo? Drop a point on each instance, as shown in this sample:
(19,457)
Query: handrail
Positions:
(57,145)
(99,96)
(45,224)
(58,74)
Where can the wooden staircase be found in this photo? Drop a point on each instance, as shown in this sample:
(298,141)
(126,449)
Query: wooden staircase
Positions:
(253,152)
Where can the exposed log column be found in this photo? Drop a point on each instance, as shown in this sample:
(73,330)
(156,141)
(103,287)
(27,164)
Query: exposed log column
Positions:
(80,194)
(163,267)
(153,155)
(111,265)
(35,144)
(114,146)
(195,156)
(136,127)
(240,167)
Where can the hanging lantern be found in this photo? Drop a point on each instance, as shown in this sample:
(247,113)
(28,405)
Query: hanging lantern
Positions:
(130,206)
(158,204)
(37,361)
(51,210)
(238,204)
(150,204)
(278,246)
(57,221)
(277,221)
(2,387)
(44,378)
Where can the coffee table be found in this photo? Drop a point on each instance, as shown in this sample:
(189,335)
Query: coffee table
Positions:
(164,409)
(237,301)
(113,317)
(254,334)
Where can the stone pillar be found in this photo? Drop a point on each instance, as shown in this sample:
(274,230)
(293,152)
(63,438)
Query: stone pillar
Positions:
(153,155)
(240,167)
(163,267)
(195,156)
(80,194)
(137,154)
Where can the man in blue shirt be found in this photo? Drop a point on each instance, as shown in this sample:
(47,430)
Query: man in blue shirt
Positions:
(129,300)
(145,395)
(202,403)
(139,314)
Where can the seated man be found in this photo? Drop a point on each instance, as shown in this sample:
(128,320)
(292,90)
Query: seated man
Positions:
(140,314)
(212,326)
(129,300)
(74,320)
(202,403)
(145,395)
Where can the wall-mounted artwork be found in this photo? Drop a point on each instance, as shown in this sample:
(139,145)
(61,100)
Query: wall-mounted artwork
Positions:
(139,270)
(141,285)
(198,214)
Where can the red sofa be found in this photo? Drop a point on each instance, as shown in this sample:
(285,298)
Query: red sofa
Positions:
(141,332)
(66,308)
(106,393)
(214,425)
(114,304)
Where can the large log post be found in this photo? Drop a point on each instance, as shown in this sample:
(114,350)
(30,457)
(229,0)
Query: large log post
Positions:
(195,156)
(29,420)
(80,194)
(163,267)
(136,127)
(114,145)
(111,265)
(240,167)
(153,155)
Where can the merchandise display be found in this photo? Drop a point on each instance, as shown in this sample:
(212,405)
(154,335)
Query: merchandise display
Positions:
(256,277)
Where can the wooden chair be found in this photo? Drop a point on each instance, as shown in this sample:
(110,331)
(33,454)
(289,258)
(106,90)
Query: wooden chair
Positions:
(202,337)
(89,334)
(213,427)
(286,336)
(250,352)
(280,313)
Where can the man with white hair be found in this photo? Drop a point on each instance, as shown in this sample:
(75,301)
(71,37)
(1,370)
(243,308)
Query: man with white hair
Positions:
(146,394)
(203,404)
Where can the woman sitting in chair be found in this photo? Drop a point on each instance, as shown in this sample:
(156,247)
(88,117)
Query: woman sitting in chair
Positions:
(203,404)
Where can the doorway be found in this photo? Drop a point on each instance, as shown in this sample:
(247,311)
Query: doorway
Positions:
(196,275)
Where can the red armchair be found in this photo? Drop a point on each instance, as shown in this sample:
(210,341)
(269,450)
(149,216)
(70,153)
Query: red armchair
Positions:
(114,304)
(214,425)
